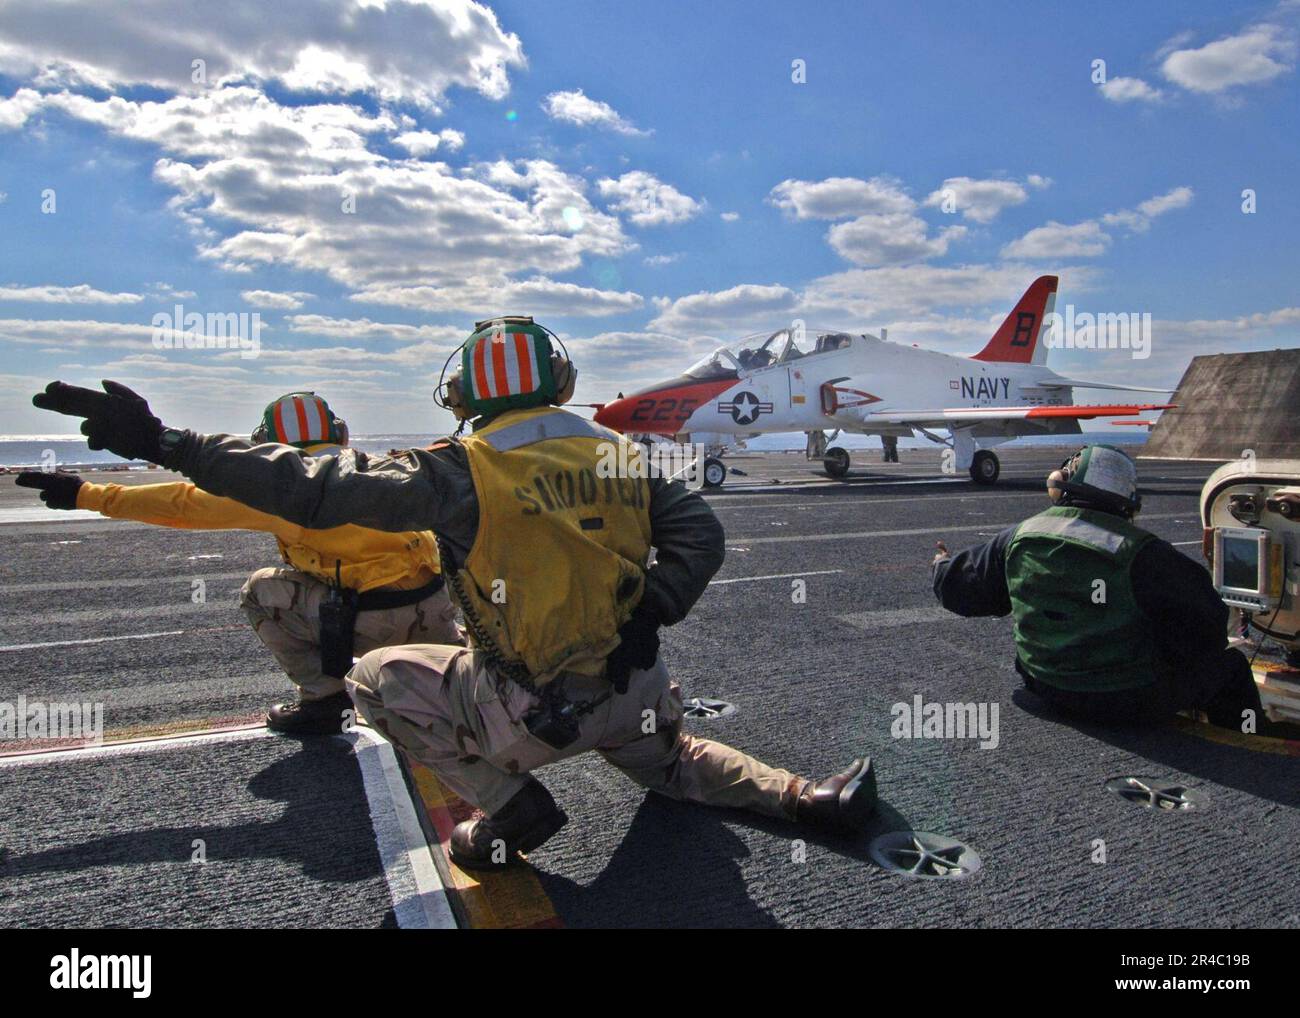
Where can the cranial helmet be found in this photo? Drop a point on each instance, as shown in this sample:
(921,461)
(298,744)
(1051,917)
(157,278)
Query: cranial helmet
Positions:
(507,363)
(300,419)
(1096,477)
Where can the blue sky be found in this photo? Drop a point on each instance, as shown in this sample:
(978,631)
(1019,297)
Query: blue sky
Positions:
(648,180)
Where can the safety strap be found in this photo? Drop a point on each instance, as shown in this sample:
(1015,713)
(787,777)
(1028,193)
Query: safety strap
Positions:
(1075,529)
(539,429)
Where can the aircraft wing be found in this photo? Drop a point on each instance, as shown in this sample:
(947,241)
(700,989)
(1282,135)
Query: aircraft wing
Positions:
(963,416)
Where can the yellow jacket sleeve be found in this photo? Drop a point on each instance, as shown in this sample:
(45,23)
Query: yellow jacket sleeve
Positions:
(180,505)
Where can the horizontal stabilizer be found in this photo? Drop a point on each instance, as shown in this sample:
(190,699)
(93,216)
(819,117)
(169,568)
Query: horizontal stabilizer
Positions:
(1074,383)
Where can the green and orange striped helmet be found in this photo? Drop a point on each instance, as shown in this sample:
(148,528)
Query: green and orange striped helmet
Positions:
(300,419)
(507,363)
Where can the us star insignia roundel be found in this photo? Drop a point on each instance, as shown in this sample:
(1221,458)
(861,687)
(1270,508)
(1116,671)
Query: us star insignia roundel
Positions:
(745,408)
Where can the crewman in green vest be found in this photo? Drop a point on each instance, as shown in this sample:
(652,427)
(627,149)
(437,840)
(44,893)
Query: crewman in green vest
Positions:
(544,522)
(1112,623)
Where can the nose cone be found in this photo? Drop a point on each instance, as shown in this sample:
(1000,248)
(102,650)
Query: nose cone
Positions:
(617,414)
(660,410)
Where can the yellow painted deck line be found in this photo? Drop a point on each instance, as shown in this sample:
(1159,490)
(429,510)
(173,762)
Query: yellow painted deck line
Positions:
(511,899)
(141,733)
(1227,737)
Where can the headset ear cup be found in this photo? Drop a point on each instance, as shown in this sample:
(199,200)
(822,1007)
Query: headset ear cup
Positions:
(453,398)
(341,430)
(1054,481)
(566,378)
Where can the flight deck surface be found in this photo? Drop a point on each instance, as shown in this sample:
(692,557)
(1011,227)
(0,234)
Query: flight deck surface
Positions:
(302,834)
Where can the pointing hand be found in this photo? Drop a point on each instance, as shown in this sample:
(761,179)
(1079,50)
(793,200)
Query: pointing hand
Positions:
(116,419)
(58,491)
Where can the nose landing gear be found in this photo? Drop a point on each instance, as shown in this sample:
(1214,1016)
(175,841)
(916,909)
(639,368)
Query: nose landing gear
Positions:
(836,461)
(984,467)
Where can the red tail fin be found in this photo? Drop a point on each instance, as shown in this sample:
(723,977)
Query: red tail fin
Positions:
(1016,340)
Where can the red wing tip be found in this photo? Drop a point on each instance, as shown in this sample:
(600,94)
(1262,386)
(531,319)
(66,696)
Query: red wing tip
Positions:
(1098,410)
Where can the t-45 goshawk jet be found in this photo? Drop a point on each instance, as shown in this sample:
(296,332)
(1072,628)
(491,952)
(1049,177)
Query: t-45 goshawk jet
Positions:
(833,381)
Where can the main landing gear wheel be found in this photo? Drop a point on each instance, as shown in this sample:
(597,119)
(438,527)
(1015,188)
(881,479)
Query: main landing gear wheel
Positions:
(984,468)
(715,472)
(836,461)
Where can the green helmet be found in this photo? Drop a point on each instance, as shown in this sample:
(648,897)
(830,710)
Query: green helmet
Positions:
(300,419)
(1097,477)
(508,363)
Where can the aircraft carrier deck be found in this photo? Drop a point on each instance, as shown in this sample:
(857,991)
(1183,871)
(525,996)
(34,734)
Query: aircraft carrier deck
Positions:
(237,827)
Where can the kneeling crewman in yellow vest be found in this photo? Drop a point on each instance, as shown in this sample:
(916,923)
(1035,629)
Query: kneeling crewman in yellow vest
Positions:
(546,551)
(1112,623)
(345,589)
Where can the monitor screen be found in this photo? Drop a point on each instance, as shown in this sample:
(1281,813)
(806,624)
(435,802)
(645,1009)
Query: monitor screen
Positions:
(1240,563)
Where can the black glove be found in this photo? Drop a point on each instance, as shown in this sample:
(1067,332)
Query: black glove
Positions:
(117,419)
(58,491)
(639,649)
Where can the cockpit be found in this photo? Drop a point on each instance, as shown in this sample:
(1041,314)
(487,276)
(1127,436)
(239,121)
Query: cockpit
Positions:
(764,349)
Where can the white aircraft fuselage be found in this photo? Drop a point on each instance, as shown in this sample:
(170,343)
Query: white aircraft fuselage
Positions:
(832,381)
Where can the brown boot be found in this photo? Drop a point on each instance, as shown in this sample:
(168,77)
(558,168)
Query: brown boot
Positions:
(843,802)
(310,717)
(520,825)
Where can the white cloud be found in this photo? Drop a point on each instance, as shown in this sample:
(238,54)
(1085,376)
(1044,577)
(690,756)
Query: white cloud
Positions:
(725,310)
(981,201)
(261,183)
(657,261)
(274,300)
(1279,318)
(66,334)
(1258,54)
(840,197)
(576,108)
(81,294)
(485,297)
(729,217)
(646,200)
(407,50)
(1126,90)
(1139,220)
(1177,41)
(1088,239)
(422,143)
(884,228)
(1059,240)
(889,240)
(365,329)
(614,362)
(15,110)
(1174,342)
(944,299)
(165,291)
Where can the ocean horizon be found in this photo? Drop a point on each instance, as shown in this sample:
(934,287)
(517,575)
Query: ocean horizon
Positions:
(70,449)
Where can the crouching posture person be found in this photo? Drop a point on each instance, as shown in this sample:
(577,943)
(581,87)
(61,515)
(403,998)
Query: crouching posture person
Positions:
(545,542)
(1112,623)
(342,590)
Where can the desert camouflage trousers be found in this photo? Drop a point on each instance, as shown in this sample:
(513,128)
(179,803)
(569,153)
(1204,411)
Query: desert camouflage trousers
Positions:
(443,706)
(284,607)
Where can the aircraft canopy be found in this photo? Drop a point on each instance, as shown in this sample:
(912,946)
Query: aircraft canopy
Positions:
(764,349)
